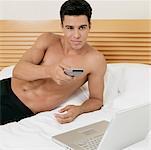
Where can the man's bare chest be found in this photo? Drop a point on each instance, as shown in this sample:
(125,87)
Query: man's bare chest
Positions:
(53,57)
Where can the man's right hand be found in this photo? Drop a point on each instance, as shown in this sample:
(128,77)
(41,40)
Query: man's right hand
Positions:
(57,74)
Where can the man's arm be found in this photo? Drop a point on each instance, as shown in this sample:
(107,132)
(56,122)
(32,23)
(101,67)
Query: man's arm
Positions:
(96,87)
(28,67)
(95,101)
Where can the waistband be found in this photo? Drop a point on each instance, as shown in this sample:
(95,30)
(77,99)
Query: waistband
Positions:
(20,105)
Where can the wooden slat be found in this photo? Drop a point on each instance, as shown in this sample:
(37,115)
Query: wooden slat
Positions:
(93,39)
(127,57)
(30,26)
(125,53)
(91,34)
(12,51)
(16,34)
(121,26)
(129,61)
(119,39)
(17,39)
(10,55)
(14,47)
(128,48)
(118,44)
(100,43)
(16,43)
(13,60)
(120,34)
(4,64)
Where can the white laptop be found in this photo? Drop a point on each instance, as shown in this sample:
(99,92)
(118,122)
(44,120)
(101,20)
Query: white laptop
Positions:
(126,128)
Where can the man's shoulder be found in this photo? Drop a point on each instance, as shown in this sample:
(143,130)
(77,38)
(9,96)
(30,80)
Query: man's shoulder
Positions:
(47,39)
(95,58)
(94,53)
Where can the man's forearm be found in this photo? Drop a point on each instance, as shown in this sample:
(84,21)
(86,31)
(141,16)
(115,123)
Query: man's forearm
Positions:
(91,105)
(29,72)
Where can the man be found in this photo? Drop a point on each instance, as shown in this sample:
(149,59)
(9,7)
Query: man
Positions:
(39,81)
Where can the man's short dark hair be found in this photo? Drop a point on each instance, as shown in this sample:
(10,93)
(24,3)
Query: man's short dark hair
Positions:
(75,8)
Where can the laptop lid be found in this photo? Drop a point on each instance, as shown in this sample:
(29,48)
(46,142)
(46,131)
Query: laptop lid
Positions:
(126,128)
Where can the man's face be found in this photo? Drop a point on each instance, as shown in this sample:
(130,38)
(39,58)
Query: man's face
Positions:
(75,30)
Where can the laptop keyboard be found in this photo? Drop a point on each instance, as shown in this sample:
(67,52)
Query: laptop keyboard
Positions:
(90,143)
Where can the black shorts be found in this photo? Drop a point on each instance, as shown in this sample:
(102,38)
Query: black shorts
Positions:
(11,108)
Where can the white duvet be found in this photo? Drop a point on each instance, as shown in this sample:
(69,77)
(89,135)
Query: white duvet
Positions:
(126,85)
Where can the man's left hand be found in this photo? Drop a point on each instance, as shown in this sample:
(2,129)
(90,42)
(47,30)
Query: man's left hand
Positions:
(67,114)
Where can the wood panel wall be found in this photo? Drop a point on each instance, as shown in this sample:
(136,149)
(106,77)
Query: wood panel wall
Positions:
(119,40)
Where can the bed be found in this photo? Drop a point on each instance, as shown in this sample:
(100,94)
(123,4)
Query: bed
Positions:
(126,45)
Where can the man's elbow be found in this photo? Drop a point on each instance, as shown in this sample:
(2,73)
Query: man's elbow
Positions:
(15,72)
(98,103)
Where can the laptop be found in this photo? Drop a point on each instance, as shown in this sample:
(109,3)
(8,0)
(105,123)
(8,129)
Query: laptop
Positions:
(126,128)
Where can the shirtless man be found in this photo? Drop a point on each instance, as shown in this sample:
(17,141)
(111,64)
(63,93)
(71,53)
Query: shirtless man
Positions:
(39,82)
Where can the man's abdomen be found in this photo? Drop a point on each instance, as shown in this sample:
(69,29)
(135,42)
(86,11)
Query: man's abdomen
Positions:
(44,97)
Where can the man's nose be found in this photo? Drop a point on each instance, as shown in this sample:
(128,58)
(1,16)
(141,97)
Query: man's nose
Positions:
(76,34)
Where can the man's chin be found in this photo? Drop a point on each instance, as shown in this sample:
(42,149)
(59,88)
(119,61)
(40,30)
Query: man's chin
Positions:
(77,47)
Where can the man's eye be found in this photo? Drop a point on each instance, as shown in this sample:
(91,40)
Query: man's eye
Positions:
(69,28)
(82,27)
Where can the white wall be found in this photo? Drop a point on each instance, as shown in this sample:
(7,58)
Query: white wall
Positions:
(49,9)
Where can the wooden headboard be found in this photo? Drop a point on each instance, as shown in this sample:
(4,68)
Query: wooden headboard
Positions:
(119,40)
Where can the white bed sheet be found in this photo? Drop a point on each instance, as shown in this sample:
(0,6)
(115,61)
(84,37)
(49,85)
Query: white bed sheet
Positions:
(34,133)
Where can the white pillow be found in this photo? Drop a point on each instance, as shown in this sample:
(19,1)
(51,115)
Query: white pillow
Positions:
(113,82)
(129,77)
(6,72)
(137,84)
(137,77)
(126,78)
(130,100)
